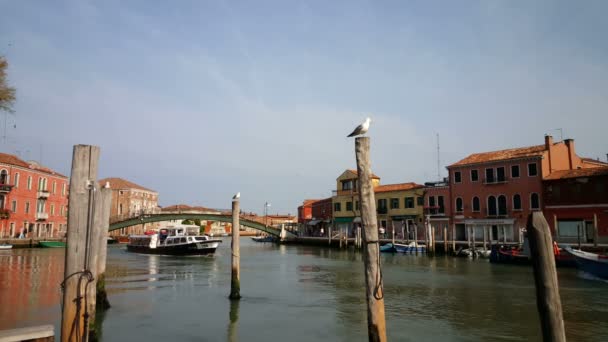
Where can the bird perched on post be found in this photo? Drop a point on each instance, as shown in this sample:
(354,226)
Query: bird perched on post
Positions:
(237,196)
(361,129)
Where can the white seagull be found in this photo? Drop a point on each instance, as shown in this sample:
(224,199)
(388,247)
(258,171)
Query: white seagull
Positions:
(361,129)
(237,196)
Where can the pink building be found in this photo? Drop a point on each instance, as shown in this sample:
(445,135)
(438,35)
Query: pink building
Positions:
(495,191)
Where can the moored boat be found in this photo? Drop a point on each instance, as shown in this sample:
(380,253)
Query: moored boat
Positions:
(5,246)
(595,264)
(173,241)
(52,244)
(401,248)
(262,238)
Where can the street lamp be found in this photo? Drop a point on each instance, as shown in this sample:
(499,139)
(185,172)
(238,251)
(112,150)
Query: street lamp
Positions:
(266,205)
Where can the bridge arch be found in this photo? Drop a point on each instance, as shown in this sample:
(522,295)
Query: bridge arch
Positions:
(119,223)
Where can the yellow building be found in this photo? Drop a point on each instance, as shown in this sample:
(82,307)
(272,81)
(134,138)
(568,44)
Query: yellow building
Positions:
(397,204)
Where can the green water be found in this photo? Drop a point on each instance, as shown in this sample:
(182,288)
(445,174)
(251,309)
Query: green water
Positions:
(298,293)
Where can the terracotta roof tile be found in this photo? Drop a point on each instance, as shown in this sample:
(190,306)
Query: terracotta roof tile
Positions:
(357,174)
(10,159)
(585,172)
(514,153)
(397,187)
(593,161)
(185,207)
(119,183)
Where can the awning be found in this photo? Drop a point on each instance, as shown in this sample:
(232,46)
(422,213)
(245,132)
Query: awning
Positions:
(357,220)
(313,222)
(403,217)
(343,219)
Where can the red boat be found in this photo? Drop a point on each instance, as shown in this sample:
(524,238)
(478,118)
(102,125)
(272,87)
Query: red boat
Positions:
(521,256)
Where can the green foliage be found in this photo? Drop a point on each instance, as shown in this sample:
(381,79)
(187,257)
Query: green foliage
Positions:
(197,222)
(7,94)
(187,222)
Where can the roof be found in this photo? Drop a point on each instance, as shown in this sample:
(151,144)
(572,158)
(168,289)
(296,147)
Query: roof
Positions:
(356,174)
(585,172)
(397,187)
(593,161)
(119,183)
(10,159)
(514,153)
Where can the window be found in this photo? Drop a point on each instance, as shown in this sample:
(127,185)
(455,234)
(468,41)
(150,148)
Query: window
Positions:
(502,205)
(571,229)
(120,209)
(29,182)
(27,207)
(14,206)
(491,206)
(516,202)
(54,187)
(458,204)
(337,206)
(476,204)
(62,210)
(347,185)
(457,177)
(431,201)
(4,177)
(534,201)
(382,203)
(440,203)
(420,201)
(489,175)
(500,174)
(357,206)
(63,186)
(40,206)
(17,180)
(40,183)
(349,206)
(474,175)
(395,203)
(52,209)
(514,171)
(409,202)
(532,171)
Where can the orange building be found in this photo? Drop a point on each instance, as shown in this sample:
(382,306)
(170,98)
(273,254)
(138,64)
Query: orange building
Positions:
(497,190)
(33,199)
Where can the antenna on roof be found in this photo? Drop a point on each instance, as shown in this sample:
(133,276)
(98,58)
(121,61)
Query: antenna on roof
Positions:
(438,167)
(561,133)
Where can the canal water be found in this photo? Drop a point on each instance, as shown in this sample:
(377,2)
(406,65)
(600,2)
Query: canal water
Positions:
(300,293)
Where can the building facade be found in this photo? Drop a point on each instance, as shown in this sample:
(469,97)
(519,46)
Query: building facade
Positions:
(399,207)
(33,199)
(437,208)
(345,200)
(129,200)
(494,192)
(576,205)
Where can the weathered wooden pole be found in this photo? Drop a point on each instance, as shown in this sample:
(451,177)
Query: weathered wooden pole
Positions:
(453,237)
(548,301)
(416,238)
(445,239)
(102,214)
(235,284)
(595,231)
(376,325)
(393,226)
(77,276)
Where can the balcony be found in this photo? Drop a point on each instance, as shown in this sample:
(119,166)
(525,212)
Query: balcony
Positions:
(5,214)
(350,192)
(43,194)
(5,188)
(492,181)
(42,216)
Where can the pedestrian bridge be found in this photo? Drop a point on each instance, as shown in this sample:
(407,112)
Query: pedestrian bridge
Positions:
(124,221)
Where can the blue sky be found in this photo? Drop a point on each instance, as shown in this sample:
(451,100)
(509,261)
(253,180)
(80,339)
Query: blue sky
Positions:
(201,99)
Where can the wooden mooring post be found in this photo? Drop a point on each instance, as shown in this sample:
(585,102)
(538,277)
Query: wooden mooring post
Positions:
(548,300)
(235,283)
(77,276)
(376,324)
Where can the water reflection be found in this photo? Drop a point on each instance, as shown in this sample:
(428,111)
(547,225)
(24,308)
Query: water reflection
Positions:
(233,319)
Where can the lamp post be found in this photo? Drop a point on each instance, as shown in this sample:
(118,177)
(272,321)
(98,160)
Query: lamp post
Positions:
(266,205)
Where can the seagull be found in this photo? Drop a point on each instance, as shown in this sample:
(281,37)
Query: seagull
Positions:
(237,196)
(361,129)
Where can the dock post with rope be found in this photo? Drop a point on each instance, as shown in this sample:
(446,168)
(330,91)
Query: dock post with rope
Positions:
(376,324)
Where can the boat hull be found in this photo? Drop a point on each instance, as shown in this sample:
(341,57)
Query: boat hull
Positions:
(400,248)
(52,244)
(590,263)
(197,248)
(6,247)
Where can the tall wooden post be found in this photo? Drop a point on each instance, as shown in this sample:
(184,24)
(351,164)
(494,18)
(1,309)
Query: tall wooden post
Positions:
(453,238)
(548,301)
(595,232)
(103,213)
(376,325)
(235,284)
(445,239)
(416,239)
(393,226)
(76,279)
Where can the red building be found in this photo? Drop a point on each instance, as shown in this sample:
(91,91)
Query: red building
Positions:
(314,215)
(305,211)
(576,205)
(33,199)
(495,191)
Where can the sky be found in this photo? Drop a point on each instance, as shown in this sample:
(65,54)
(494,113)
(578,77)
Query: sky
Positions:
(201,99)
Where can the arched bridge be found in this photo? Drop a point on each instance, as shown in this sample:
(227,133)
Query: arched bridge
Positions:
(128,221)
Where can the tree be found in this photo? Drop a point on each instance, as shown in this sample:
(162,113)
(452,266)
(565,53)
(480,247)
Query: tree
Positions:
(7,94)
(187,222)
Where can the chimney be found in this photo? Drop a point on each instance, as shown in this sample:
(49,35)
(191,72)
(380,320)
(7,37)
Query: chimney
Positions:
(571,153)
(548,141)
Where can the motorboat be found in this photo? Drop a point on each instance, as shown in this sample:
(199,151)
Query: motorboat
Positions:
(594,264)
(173,241)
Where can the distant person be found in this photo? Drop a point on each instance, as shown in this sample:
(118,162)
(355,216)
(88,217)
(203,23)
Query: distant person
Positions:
(381,231)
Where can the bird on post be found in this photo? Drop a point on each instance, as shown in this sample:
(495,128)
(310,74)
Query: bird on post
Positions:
(361,129)
(237,196)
